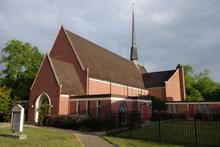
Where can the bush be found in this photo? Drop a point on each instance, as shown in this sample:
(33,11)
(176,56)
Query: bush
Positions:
(198,116)
(216,117)
(161,116)
(182,116)
(75,122)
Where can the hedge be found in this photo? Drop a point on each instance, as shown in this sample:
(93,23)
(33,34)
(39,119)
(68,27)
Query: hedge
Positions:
(75,122)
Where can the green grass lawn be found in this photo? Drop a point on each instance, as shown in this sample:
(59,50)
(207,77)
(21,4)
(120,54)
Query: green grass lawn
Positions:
(39,137)
(122,142)
(177,132)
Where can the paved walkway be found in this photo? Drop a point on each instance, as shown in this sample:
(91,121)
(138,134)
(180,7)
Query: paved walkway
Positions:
(3,125)
(92,140)
(86,139)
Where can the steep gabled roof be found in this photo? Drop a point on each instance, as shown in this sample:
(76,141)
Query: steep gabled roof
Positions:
(104,64)
(157,79)
(65,73)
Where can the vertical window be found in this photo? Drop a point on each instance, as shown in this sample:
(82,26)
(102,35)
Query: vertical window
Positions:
(176,108)
(98,108)
(88,107)
(78,107)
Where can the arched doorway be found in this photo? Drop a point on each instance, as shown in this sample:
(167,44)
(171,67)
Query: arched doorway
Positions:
(122,114)
(42,99)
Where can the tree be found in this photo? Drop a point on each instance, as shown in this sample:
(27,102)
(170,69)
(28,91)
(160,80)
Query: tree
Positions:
(157,103)
(192,94)
(21,61)
(200,86)
(4,103)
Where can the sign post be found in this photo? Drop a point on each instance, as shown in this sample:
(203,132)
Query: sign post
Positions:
(17,122)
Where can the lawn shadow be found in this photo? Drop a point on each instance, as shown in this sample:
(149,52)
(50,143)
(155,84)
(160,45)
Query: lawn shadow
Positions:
(4,135)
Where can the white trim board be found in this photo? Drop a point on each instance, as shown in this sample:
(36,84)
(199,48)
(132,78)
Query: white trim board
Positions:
(185,103)
(112,98)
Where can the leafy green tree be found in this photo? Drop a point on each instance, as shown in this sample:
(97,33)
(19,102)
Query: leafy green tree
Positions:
(205,84)
(21,61)
(4,103)
(200,86)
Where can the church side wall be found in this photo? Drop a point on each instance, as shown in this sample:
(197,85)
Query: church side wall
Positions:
(104,87)
(64,105)
(158,92)
(173,89)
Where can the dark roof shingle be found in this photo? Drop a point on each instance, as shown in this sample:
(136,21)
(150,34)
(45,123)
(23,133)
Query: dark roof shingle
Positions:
(157,79)
(106,65)
(65,72)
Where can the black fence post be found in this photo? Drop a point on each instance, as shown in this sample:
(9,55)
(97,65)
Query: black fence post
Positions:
(195,129)
(159,129)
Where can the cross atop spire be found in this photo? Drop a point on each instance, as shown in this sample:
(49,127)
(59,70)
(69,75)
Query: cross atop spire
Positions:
(133,55)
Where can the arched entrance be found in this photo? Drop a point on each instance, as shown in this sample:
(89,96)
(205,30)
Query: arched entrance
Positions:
(122,114)
(41,99)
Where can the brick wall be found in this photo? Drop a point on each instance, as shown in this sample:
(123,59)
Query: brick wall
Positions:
(44,82)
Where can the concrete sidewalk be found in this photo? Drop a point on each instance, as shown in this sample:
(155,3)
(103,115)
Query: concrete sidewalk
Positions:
(86,139)
(3,125)
(92,140)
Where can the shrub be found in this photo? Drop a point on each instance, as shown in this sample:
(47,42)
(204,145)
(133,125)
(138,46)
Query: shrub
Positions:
(182,116)
(75,122)
(216,117)
(198,116)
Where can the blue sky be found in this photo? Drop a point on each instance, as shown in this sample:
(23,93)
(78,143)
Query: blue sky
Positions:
(169,32)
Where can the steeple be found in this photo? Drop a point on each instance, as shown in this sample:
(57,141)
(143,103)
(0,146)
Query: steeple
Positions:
(133,55)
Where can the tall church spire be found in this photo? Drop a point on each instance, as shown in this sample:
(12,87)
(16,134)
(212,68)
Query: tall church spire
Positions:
(133,55)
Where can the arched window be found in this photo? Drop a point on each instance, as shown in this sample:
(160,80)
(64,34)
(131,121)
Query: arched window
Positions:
(122,114)
(122,107)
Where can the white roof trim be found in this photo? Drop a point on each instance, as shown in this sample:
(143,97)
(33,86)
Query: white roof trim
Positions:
(112,99)
(54,72)
(183,103)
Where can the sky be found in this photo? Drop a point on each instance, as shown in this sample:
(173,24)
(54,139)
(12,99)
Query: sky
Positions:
(168,32)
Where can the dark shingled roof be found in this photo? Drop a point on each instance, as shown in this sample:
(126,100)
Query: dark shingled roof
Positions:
(65,72)
(105,65)
(157,79)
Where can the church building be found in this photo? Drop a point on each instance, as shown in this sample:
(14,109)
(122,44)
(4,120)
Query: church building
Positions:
(81,77)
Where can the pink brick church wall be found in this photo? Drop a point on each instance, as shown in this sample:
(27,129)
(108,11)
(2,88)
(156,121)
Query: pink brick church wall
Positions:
(64,105)
(104,87)
(173,89)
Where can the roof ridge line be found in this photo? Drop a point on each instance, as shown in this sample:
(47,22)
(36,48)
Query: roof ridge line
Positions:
(96,44)
(161,71)
(72,46)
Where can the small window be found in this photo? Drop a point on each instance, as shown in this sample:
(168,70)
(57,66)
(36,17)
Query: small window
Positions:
(88,107)
(78,107)
(99,109)
(176,108)
(203,108)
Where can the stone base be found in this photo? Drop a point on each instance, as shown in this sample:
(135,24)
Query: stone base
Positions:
(18,136)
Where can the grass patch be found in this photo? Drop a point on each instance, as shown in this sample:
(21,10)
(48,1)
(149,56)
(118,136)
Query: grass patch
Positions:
(122,142)
(177,132)
(39,137)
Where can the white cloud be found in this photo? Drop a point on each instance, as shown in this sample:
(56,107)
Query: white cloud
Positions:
(168,32)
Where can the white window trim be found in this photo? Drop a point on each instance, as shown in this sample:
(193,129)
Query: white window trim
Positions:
(87,108)
(77,103)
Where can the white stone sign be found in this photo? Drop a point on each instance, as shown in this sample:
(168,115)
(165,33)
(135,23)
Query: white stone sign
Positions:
(17,122)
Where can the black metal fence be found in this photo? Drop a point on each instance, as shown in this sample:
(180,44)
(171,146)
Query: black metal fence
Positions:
(166,128)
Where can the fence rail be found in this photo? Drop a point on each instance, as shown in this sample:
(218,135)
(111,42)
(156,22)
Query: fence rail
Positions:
(198,131)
